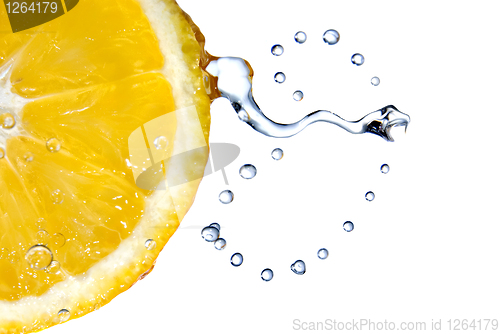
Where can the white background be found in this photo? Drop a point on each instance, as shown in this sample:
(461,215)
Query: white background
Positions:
(425,249)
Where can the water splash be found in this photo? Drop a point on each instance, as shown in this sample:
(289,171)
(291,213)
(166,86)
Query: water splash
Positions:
(234,83)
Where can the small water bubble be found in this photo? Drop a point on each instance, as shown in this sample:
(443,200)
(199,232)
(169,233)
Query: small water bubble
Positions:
(220,244)
(4,252)
(370,196)
(348,226)
(13,257)
(248,171)
(298,95)
(298,267)
(323,253)
(280,77)
(277,50)
(210,233)
(57,196)
(160,142)
(28,157)
(53,145)
(277,154)
(331,37)
(63,315)
(375,81)
(236,259)
(42,237)
(2,153)
(8,120)
(53,267)
(300,37)
(357,59)
(243,115)
(267,275)
(40,223)
(216,225)
(39,257)
(384,168)
(226,196)
(57,240)
(150,244)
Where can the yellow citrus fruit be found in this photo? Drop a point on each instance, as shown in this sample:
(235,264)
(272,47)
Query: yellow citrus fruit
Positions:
(103,142)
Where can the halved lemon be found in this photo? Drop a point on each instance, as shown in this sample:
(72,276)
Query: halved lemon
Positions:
(91,102)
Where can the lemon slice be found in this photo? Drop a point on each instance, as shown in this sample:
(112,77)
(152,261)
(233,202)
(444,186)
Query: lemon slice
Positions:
(91,103)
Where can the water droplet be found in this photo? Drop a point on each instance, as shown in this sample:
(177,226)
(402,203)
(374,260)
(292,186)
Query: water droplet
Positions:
(53,267)
(28,157)
(220,244)
(248,171)
(236,259)
(97,307)
(243,115)
(57,240)
(40,223)
(4,252)
(375,81)
(150,244)
(384,168)
(277,50)
(53,145)
(300,37)
(63,315)
(39,257)
(8,121)
(348,226)
(370,196)
(280,77)
(357,59)
(13,257)
(210,233)
(42,237)
(217,226)
(323,253)
(298,267)
(226,196)
(57,196)
(160,142)
(277,154)
(331,37)
(298,95)
(2,153)
(267,275)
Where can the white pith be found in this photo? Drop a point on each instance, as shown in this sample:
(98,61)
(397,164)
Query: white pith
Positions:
(75,289)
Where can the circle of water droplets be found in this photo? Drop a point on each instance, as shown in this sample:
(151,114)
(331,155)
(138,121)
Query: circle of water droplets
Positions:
(150,244)
(42,237)
(277,50)
(298,267)
(236,259)
(300,37)
(357,59)
(39,257)
(160,142)
(57,240)
(8,121)
(53,267)
(57,196)
(210,233)
(248,171)
(63,315)
(216,225)
(226,196)
(53,145)
(370,196)
(384,168)
(280,77)
(28,157)
(267,275)
(2,153)
(331,37)
(323,253)
(220,244)
(277,154)
(348,226)
(375,81)
(298,95)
